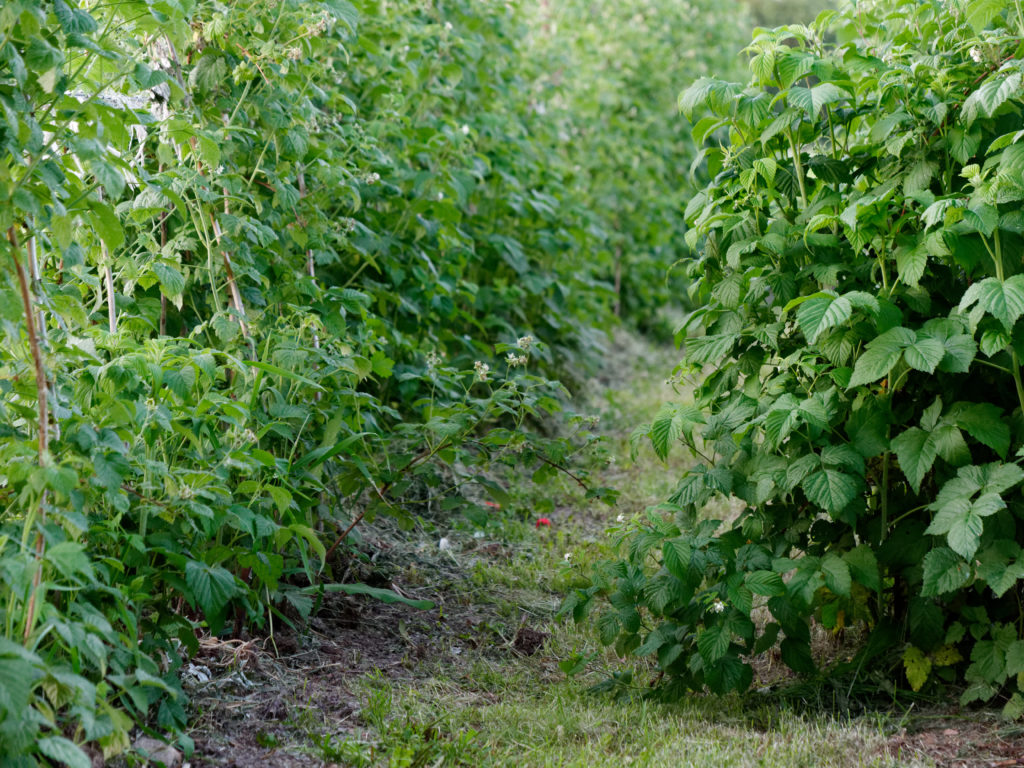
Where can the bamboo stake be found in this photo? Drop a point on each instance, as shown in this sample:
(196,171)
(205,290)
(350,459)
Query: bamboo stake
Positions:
(44,421)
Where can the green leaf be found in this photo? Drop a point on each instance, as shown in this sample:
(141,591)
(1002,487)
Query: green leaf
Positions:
(965,534)
(107,225)
(831,489)
(911,262)
(765,583)
(864,567)
(676,555)
(63,751)
(985,423)
(817,315)
(282,372)
(796,655)
(172,282)
(944,571)
(1003,300)
(963,145)
(710,349)
(924,354)
(1015,658)
(881,356)
(665,430)
(982,219)
(40,56)
(917,665)
(212,586)
(1013,709)
(811,100)
(837,574)
(73,20)
(713,643)
(916,452)
(980,13)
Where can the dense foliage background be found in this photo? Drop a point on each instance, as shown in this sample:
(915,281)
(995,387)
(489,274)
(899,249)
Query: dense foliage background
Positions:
(857,383)
(278,266)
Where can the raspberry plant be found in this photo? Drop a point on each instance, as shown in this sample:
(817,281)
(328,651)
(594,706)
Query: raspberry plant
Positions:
(269,271)
(855,361)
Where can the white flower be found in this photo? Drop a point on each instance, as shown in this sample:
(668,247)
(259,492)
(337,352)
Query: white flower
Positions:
(433,360)
(718,606)
(444,544)
(373,178)
(567,556)
(513,360)
(447,26)
(524,342)
(464,129)
(440,196)
(976,54)
(478,534)
(481,370)
(620,519)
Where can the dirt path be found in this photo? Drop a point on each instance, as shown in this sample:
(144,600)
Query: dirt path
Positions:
(475,681)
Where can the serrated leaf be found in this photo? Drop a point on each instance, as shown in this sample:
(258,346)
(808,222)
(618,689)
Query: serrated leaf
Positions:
(211,585)
(713,643)
(917,666)
(985,423)
(676,555)
(965,534)
(63,751)
(963,144)
(1013,709)
(918,177)
(710,349)
(881,356)
(911,262)
(765,583)
(944,571)
(982,218)
(172,282)
(864,567)
(916,452)
(925,354)
(980,13)
(666,429)
(1003,300)
(817,315)
(831,489)
(837,574)
(811,100)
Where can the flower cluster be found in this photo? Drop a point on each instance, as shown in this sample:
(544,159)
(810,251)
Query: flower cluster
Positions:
(481,369)
(718,606)
(977,55)
(433,360)
(514,360)
(524,342)
(373,178)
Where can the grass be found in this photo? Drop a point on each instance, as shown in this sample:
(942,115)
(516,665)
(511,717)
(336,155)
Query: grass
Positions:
(490,706)
(366,684)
